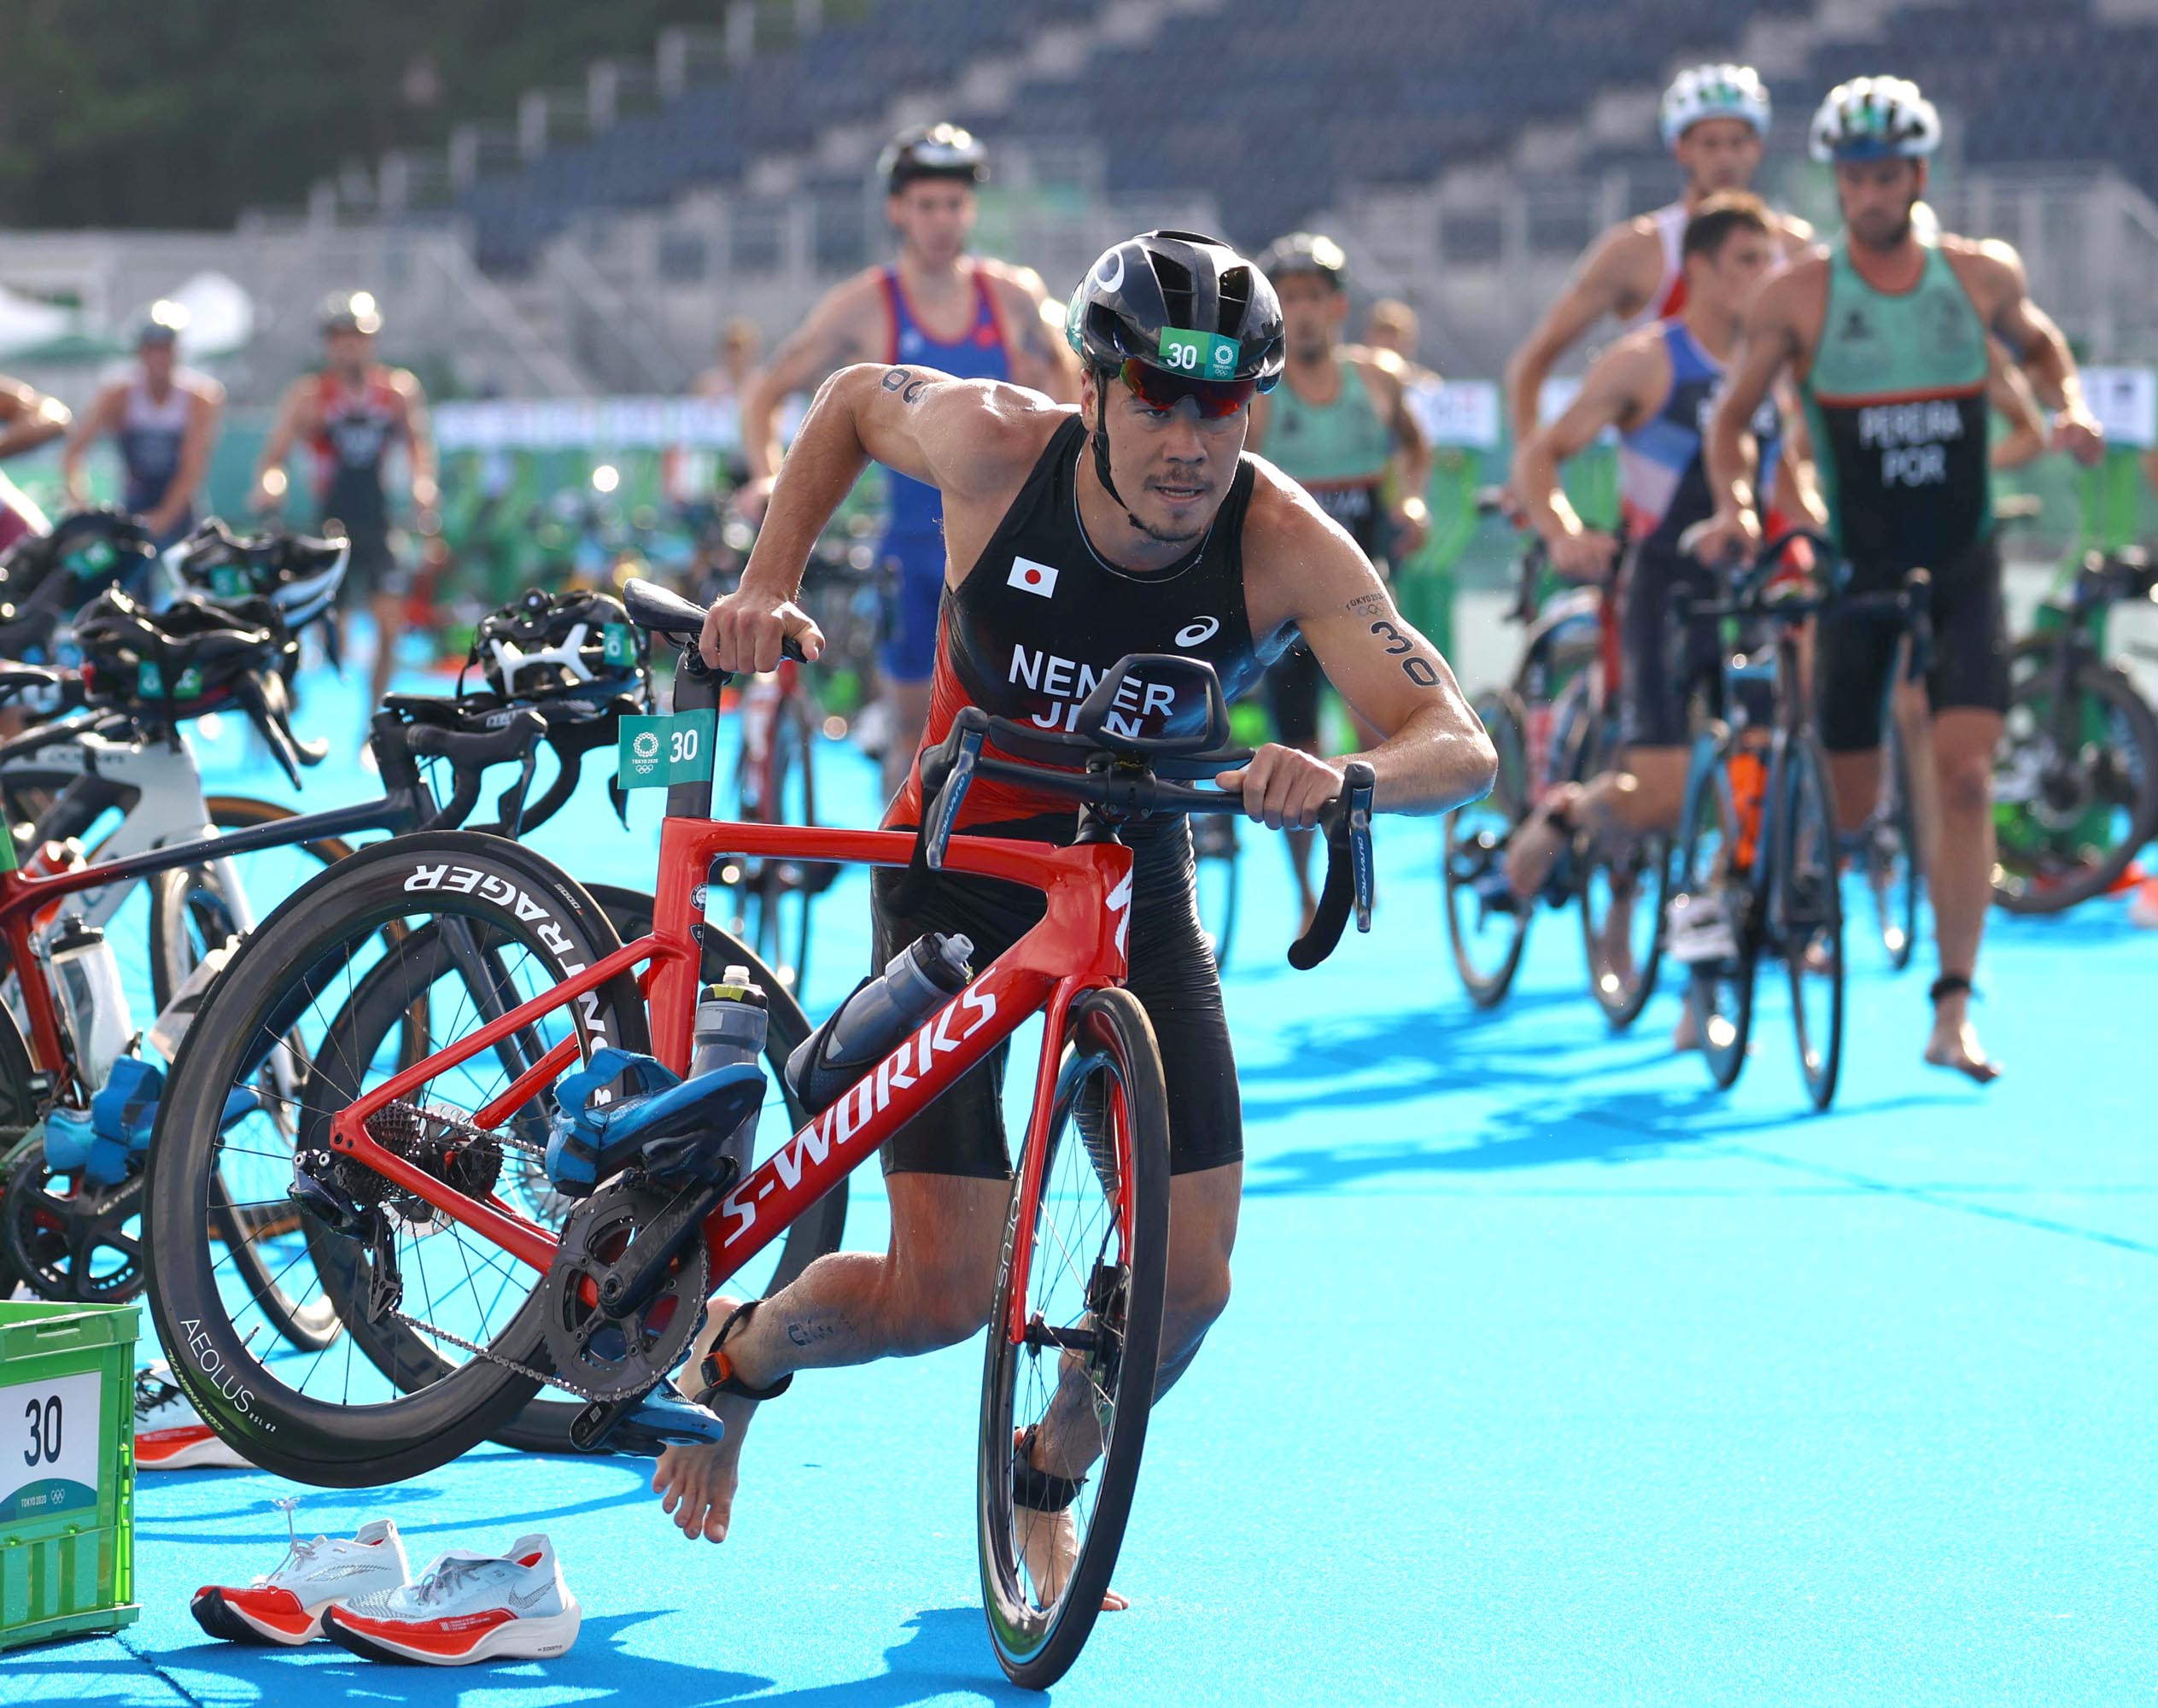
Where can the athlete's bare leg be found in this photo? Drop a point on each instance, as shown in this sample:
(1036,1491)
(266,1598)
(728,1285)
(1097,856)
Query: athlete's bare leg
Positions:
(932,1287)
(1961,877)
(389,611)
(1202,1232)
(909,703)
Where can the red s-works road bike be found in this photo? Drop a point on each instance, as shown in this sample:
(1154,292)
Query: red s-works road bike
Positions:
(487,1304)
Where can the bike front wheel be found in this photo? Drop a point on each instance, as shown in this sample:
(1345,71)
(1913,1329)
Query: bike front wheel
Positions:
(1074,1339)
(1486,924)
(1808,915)
(1715,860)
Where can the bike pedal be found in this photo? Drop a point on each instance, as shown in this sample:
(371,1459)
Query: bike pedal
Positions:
(644,1425)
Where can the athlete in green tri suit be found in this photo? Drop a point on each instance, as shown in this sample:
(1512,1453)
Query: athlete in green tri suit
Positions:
(1887,335)
(1340,425)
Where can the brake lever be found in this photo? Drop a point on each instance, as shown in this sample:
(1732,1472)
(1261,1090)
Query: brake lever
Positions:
(509,805)
(253,693)
(1349,873)
(938,827)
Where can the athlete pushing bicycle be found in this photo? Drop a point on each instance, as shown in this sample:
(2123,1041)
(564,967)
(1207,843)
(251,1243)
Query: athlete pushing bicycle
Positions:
(1134,522)
(1886,334)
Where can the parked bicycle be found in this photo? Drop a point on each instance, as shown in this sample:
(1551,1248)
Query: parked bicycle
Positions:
(2075,777)
(416,1147)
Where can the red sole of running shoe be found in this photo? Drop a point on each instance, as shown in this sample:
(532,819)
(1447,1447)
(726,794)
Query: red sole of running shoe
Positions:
(221,1618)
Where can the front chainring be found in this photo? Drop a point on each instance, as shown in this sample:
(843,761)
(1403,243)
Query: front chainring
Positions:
(608,1359)
(73,1246)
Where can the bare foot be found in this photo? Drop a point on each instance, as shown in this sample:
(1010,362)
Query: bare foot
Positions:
(1955,1044)
(1049,1543)
(696,1484)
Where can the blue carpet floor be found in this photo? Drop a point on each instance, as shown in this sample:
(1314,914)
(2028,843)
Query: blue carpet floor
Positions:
(1553,1377)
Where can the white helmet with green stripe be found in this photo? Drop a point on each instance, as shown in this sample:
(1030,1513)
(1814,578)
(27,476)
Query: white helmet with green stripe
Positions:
(1714,91)
(1875,118)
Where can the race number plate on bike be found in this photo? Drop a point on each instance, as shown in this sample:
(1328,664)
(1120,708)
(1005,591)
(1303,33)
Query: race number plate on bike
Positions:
(658,752)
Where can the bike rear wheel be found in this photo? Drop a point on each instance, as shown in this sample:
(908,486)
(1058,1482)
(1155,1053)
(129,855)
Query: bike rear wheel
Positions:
(1081,1281)
(332,1417)
(1485,924)
(2075,786)
(1719,991)
(1808,915)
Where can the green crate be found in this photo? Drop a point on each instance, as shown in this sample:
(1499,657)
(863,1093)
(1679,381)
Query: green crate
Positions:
(68,1520)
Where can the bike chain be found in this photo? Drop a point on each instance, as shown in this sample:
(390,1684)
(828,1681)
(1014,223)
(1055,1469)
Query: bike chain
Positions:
(554,1379)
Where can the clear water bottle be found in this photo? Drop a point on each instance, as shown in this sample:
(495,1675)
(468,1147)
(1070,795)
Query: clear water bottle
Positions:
(732,1020)
(85,976)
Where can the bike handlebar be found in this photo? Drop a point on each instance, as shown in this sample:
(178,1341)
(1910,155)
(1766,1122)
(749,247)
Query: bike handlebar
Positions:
(470,752)
(1125,790)
(1753,596)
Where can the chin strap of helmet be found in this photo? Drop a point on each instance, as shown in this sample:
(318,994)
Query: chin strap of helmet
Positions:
(1103,378)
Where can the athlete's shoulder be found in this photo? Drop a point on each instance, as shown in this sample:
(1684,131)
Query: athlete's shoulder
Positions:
(990,432)
(1382,368)
(1640,351)
(1629,241)
(1012,280)
(1797,235)
(1987,259)
(1787,289)
(199,385)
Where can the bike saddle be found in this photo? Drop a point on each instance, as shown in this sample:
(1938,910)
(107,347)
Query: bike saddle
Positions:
(651,606)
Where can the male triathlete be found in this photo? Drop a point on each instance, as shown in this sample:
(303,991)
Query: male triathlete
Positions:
(1656,386)
(1340,424)
(165,418)
(28,419)
(935,307)
(1715,120)
(349,415)
(1133,523)
(1885,335)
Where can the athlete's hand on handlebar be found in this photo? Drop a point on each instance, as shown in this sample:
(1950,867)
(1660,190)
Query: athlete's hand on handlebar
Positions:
(746,631)
(1584,557)
(1729,537)
(1283,788)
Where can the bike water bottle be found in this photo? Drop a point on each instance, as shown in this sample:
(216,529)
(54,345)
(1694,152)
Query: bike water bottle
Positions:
(732,1018)
(86,975)
(921,979)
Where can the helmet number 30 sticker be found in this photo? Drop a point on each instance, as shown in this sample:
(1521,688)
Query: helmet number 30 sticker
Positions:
(1205,355)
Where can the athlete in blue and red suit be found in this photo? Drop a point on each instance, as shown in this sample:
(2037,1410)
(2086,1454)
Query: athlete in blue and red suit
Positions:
(935,307)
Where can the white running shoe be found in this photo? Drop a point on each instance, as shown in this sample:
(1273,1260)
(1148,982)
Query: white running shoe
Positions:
(1697,931)
(170,1434)
(285,1608)
(468,1607)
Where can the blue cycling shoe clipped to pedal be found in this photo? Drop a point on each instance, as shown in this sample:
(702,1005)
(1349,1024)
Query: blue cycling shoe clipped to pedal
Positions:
(648,1426)
(106,1142)
(675,1129)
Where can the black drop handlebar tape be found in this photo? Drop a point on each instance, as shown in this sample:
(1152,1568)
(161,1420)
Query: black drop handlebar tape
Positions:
(949,769)
(470,752)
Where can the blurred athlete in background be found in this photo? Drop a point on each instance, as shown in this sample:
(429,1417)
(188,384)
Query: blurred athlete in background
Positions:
(165,419)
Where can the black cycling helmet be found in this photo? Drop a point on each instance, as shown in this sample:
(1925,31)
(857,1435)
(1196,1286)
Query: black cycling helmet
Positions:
(182,661)
(1305,252)
(350,310)
(575,644)
(298,575)
(1178,304)
(44,576)
(931,152)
